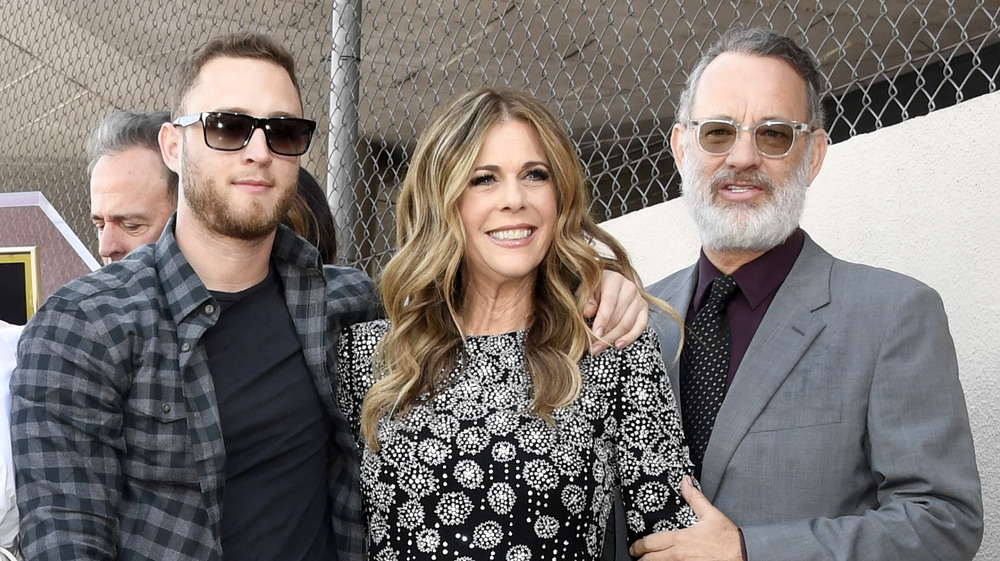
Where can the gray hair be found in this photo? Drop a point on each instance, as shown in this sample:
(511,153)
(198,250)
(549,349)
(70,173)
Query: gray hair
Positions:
(759,42)
(123,130)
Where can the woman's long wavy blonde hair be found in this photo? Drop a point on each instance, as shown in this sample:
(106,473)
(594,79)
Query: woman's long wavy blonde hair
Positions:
(421,286)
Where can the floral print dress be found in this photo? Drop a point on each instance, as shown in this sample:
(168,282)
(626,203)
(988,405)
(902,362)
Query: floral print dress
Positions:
(471,474)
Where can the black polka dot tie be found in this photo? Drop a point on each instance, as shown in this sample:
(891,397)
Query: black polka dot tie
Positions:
(705,361)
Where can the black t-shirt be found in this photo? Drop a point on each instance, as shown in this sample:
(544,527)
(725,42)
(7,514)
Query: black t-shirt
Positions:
(276,431)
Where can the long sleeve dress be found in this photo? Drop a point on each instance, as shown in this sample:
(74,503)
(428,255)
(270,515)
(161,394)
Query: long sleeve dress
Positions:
(472,474)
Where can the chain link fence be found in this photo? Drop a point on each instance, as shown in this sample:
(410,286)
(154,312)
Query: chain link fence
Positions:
(372,71)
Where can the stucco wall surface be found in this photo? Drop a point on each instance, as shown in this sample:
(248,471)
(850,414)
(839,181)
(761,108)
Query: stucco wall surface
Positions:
(922,198)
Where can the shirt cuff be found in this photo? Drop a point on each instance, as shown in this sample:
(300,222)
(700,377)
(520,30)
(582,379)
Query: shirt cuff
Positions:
(743,544)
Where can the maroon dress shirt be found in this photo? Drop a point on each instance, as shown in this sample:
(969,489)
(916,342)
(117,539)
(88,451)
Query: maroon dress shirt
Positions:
(759,281)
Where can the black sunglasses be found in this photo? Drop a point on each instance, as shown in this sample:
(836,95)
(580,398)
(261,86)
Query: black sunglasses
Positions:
(288,136)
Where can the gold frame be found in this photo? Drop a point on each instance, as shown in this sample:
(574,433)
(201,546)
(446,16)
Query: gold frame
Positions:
(28,256)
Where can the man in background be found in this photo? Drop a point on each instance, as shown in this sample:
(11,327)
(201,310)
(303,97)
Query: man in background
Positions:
(820,399)
(132,192)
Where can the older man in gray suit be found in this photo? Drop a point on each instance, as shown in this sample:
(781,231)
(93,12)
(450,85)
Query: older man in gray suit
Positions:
(833,425)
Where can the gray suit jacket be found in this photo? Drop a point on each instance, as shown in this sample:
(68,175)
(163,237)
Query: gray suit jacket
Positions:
(845,434)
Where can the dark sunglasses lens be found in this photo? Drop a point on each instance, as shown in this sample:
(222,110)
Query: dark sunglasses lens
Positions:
(716,137)
(774,139)
(224,131)
(289,137)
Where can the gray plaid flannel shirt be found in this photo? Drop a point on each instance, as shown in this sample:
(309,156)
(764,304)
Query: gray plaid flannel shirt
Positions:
(116,436)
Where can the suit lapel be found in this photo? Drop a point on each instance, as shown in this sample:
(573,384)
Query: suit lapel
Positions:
(788,329)
(678,291)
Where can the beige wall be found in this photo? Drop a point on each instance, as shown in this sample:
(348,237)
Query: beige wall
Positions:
(922,198)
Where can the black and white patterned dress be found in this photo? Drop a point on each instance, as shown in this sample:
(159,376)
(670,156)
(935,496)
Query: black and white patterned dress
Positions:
(471,475)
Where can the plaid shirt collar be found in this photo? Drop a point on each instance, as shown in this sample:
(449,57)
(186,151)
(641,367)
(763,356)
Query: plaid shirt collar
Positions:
(183,288)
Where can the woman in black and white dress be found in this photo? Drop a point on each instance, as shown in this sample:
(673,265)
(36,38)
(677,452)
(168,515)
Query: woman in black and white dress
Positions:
(487,430)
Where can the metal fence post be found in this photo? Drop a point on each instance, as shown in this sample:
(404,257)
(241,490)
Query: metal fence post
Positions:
(342,153)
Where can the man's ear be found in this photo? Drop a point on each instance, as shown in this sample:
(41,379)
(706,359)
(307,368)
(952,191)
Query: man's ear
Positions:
(170,146)
(820,143)
(677,145)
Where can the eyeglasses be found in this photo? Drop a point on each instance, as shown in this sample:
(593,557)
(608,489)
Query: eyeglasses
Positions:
(229,132)
(772,139)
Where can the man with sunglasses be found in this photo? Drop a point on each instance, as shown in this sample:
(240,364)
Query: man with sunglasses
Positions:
(178,405)
(833,425)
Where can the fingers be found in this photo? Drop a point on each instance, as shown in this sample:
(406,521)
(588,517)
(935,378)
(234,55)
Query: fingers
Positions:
(601,306)
(622,314)
(713,537)
(591,308)
(694,497)
(662,541)
(607,298)
(633,320)
(638,316)
(597,346)
(652,543)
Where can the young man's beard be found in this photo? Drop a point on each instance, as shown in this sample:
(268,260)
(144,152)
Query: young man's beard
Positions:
(208,202)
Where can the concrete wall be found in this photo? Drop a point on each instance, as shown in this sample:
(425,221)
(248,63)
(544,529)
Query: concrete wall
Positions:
(922,198)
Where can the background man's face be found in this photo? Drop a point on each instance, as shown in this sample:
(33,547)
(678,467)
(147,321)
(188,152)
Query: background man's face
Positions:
(129,203)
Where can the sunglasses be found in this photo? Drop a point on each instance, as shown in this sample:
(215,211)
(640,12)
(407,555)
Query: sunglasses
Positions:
(229,132)
(772,139)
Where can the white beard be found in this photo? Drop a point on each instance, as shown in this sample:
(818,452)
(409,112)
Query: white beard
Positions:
(729,226)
